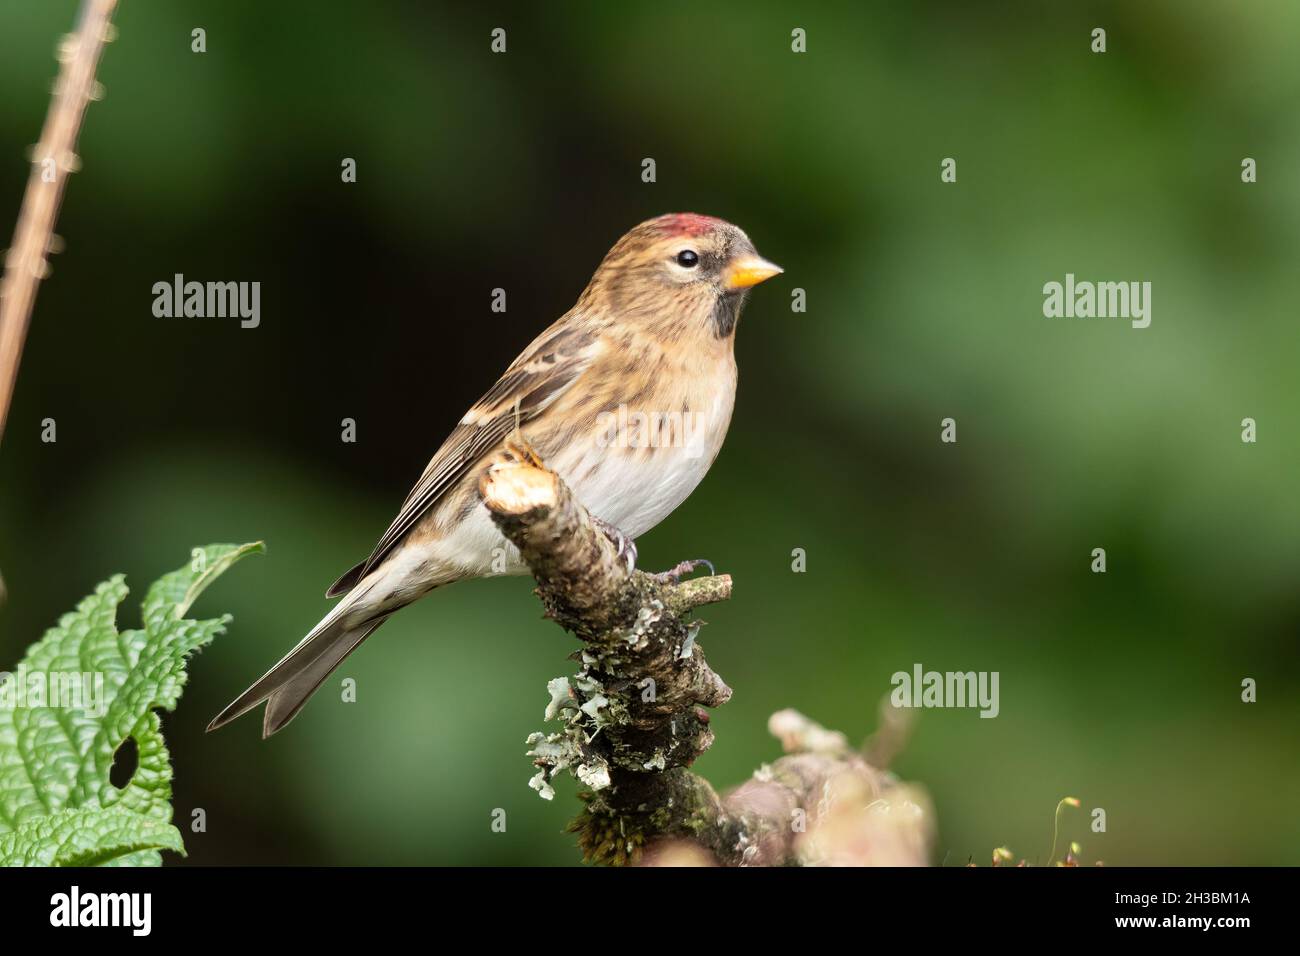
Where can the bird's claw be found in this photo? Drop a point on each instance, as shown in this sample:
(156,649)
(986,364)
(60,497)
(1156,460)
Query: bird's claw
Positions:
(674,574)
(626,551)
(624,546)
(518,449)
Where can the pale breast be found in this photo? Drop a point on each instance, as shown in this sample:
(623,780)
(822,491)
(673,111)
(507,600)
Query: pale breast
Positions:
(645,456)
(630,459)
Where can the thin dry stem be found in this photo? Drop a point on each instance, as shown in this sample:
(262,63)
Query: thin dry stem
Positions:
(53,158)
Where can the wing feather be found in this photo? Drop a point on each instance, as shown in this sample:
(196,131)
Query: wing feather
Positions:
(544,371)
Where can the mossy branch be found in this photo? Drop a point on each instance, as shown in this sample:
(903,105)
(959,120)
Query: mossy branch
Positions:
(634,719)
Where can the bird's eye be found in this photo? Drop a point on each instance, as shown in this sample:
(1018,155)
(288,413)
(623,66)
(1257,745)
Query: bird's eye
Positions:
(688,259)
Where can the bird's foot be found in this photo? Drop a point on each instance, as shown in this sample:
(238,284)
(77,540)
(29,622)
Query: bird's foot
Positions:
(517,449)
(623,544)
(674,574)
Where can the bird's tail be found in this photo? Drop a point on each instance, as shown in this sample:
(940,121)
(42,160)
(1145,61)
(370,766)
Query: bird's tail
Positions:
(288,685)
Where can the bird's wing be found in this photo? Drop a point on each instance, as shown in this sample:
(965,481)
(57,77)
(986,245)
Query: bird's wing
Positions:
(545,370)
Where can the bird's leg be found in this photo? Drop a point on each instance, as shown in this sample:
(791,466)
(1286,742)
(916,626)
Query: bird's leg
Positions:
(674,574)
(625,546)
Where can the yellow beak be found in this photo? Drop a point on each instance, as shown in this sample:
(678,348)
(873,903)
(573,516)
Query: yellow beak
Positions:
(749,271)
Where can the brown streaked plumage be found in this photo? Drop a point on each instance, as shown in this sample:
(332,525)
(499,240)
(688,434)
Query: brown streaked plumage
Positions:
(628,397)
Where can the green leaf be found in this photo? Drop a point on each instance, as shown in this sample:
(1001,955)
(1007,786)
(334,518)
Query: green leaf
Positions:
(87,838)
(80,692)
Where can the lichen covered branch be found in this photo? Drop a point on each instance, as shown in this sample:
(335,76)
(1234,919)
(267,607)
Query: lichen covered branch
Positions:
(633,718)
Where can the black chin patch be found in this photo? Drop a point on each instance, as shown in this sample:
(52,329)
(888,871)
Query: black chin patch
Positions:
(726,312)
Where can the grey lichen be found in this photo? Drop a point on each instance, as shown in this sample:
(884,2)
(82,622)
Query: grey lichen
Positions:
(639,633)
(688,644)
(562,697)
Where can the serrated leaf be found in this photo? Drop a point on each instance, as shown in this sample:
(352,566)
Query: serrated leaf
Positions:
(57,804)
(88,838)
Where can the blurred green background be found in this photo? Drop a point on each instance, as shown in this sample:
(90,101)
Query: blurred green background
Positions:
(924,301)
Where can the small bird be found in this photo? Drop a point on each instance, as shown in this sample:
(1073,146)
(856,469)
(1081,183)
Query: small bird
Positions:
(627,397)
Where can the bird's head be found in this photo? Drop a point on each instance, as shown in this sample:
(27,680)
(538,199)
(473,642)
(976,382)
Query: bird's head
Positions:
(680,270)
